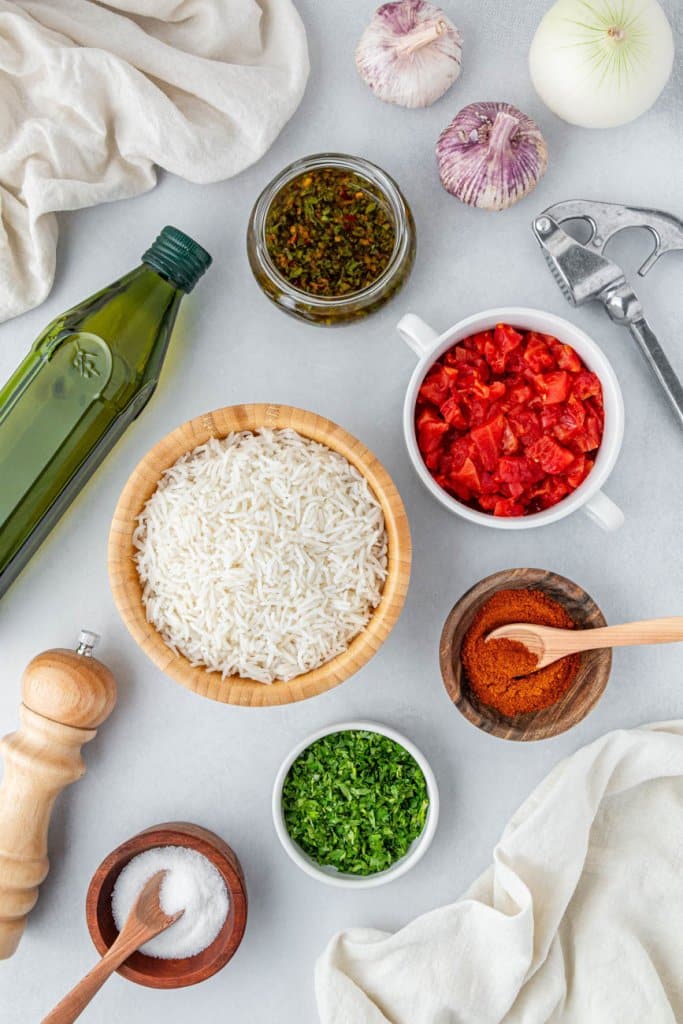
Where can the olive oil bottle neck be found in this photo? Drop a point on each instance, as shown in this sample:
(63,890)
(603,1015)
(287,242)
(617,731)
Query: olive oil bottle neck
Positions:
(177,258)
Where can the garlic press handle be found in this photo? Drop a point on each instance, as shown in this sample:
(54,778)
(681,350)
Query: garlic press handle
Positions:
(659,364)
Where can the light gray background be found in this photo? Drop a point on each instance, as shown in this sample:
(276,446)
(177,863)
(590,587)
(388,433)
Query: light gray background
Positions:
(166,753)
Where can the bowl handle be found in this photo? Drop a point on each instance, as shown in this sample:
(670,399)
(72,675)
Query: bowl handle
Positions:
(604,512)
(416,333)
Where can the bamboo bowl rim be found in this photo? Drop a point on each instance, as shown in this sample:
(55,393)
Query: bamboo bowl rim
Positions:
(154,972)
(582,695)
(127,589)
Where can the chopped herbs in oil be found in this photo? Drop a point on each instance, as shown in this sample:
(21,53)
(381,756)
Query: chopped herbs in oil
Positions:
(329,232)
(355,800)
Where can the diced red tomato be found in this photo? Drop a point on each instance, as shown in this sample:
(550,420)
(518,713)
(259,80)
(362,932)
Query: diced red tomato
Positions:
(481,340)
(434,387)
(550,456)
(478,412)
(586,385)
(430,431)
(487,440)
(578,471)
(506,338)
(552,490)
(467,477)
(520,394)
(509,421)
(458,355)
(519,470)
(537,354)
(488,483)
(454,457)
(550,417)
(526,425)
(554,387)
(452,413)
(590,435)
(508,507)
(509,441)
(498,348)
(568,359)
(571,419)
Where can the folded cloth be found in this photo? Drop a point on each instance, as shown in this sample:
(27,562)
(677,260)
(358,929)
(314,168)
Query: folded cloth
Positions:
(579,919)
(93,95)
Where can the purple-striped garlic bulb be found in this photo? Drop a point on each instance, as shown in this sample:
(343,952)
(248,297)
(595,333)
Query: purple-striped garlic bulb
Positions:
(410,53)
(491,155)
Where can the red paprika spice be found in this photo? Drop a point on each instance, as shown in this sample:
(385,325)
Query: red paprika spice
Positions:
(502,672)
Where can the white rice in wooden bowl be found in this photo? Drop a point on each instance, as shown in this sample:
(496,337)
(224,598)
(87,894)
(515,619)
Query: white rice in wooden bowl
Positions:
(261,555)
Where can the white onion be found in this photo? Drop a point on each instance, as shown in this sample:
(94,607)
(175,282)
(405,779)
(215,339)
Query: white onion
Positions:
(601,63)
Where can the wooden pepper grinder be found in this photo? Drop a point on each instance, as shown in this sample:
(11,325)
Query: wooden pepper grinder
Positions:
(66,695)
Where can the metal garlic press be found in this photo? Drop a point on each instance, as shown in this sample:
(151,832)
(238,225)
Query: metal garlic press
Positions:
(583,272)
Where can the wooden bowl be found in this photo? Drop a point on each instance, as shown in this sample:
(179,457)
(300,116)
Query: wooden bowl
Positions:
(580,698)
(152,971)
(125,581)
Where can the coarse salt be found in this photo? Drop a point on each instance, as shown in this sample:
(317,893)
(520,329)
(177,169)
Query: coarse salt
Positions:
(192,884)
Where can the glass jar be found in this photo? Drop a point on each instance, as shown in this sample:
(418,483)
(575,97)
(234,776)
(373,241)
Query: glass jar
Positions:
(334,309)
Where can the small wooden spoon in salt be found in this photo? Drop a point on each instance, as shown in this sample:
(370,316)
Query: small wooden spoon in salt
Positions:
(549,644)
(146,919)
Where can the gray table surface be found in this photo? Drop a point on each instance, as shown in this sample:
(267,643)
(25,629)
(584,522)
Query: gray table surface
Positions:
(167,754)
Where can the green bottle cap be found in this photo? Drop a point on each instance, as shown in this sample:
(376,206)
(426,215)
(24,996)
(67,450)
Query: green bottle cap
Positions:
(178,258)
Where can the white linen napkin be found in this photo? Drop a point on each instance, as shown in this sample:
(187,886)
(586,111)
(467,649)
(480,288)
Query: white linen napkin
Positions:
(579,920)
(93,95)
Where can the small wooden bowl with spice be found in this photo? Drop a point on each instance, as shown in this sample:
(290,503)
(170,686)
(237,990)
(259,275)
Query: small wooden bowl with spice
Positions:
(494,684)
(153,971)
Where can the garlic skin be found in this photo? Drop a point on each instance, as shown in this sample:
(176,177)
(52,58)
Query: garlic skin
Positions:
(410,53)
(491,155)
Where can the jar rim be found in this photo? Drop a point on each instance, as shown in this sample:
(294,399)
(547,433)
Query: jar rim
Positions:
(363,168)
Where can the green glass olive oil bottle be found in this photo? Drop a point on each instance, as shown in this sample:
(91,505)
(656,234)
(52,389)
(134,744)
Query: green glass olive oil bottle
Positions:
(86,378)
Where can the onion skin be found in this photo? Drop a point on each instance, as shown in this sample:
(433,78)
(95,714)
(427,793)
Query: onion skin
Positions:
(491,155)
(598,64)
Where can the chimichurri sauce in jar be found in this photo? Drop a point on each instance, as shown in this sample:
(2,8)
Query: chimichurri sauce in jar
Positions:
(329,232)
(331,238)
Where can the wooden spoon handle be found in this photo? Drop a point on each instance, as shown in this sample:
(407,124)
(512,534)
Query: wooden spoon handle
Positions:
(75,1001)
(628,634)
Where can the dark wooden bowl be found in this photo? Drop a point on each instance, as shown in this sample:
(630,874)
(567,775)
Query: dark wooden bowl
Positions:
(148,970)
(587,688)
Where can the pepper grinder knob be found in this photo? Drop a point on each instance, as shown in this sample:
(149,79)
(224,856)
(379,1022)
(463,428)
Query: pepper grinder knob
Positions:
(66,696)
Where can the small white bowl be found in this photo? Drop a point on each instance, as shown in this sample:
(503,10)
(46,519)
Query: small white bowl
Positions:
(330,875)
(429,346)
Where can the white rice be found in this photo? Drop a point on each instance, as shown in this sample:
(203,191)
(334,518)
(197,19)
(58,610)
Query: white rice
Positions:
(261,555)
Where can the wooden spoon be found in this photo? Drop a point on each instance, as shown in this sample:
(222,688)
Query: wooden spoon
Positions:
(145,920)
(550,644)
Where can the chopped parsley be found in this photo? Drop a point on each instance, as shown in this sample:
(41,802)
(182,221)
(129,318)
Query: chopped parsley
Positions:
(355,800)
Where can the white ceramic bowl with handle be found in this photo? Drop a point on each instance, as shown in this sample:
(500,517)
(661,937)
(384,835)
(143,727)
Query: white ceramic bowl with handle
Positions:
(428,345)
(330,875)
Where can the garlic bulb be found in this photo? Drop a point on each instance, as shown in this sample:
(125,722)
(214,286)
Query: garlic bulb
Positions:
(491,155)
(410,53)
